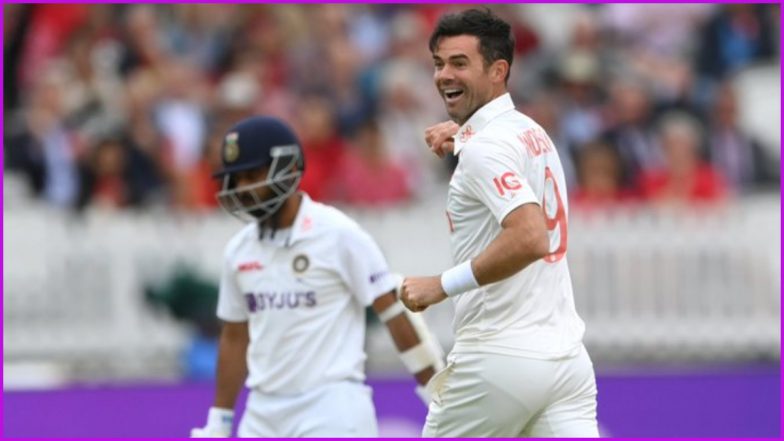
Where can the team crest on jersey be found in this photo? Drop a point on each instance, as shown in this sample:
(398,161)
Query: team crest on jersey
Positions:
(467,133)
(300,264)
(231,151)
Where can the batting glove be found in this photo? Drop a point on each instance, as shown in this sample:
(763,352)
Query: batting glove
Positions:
(219,423)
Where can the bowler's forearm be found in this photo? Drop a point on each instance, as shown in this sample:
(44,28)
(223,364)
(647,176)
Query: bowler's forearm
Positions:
(521,242)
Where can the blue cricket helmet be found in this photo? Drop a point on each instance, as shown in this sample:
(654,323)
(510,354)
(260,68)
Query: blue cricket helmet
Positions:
(255,143)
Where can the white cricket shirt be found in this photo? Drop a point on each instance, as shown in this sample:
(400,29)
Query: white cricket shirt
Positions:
(507,160)
(304,295)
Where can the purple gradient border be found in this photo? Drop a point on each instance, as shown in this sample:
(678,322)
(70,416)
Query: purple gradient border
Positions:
(347,2)
(2,193)
(781,242)
(2,157)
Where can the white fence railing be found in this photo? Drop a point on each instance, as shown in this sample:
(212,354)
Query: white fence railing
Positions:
(649,285)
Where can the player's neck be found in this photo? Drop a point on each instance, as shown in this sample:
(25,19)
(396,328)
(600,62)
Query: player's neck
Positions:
(289,210)
(497,93)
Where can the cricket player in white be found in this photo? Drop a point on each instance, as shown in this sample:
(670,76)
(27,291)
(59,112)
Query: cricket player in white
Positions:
(295,284)
(518,367)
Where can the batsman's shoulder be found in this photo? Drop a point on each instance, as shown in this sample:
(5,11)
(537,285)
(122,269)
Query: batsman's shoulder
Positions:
(338,223)
(248,232)
(327,218)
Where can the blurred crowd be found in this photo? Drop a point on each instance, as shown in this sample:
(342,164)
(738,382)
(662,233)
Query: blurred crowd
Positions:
(120,106)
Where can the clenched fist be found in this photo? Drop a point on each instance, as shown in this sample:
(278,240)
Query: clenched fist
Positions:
(441,137)
(417,293)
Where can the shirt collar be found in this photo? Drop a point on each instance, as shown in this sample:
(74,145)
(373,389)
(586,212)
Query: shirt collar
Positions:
(481,118)
(303,223)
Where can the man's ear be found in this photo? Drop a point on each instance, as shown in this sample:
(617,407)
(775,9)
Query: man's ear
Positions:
(498,70)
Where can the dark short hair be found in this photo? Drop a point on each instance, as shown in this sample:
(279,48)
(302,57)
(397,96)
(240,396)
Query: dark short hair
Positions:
(495,35)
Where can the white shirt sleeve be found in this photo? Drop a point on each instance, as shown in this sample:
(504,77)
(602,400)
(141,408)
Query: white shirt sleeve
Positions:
(495,174)
(231,303)
(364,268)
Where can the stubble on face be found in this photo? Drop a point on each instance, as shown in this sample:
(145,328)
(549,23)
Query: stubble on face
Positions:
(461,76)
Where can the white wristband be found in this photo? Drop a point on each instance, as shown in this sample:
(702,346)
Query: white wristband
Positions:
(459,279)
(220,418)
(419,358)
(392,311)
(423,394)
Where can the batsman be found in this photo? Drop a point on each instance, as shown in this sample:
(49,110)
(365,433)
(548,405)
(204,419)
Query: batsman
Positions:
(295,285)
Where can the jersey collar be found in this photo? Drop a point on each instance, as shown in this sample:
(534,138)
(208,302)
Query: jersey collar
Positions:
(304,222)
(480,118)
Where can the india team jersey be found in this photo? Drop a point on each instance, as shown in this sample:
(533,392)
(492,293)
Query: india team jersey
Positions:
(304,295)
(507,160)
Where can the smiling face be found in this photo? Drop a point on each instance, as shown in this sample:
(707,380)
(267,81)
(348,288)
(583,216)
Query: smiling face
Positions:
(463,79)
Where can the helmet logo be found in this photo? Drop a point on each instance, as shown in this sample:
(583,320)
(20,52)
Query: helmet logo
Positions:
(231,151)
(301,263)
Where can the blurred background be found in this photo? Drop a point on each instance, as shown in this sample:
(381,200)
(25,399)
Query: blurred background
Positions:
(667,122)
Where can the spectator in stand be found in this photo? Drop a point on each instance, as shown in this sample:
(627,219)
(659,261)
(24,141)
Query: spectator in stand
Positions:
(350,103)
(321,144)
(141,91)
(600,174)
(581,118)
(369,175)
(199,195)
(734,38)
(181,116)
(406,101)
(117,174)
(106,176)
(48,31)
(662,31)
(200,33)
(166,75)
(49,153)
(629,116)
(741,159)
(656,43)
(685,176)
(17,18)
(91,101)
(144,43)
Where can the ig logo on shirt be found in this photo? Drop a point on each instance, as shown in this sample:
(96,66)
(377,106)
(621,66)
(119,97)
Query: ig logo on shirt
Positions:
(507,181)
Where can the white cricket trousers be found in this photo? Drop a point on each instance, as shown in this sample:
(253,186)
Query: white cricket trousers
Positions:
(336,410)
(490,395)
